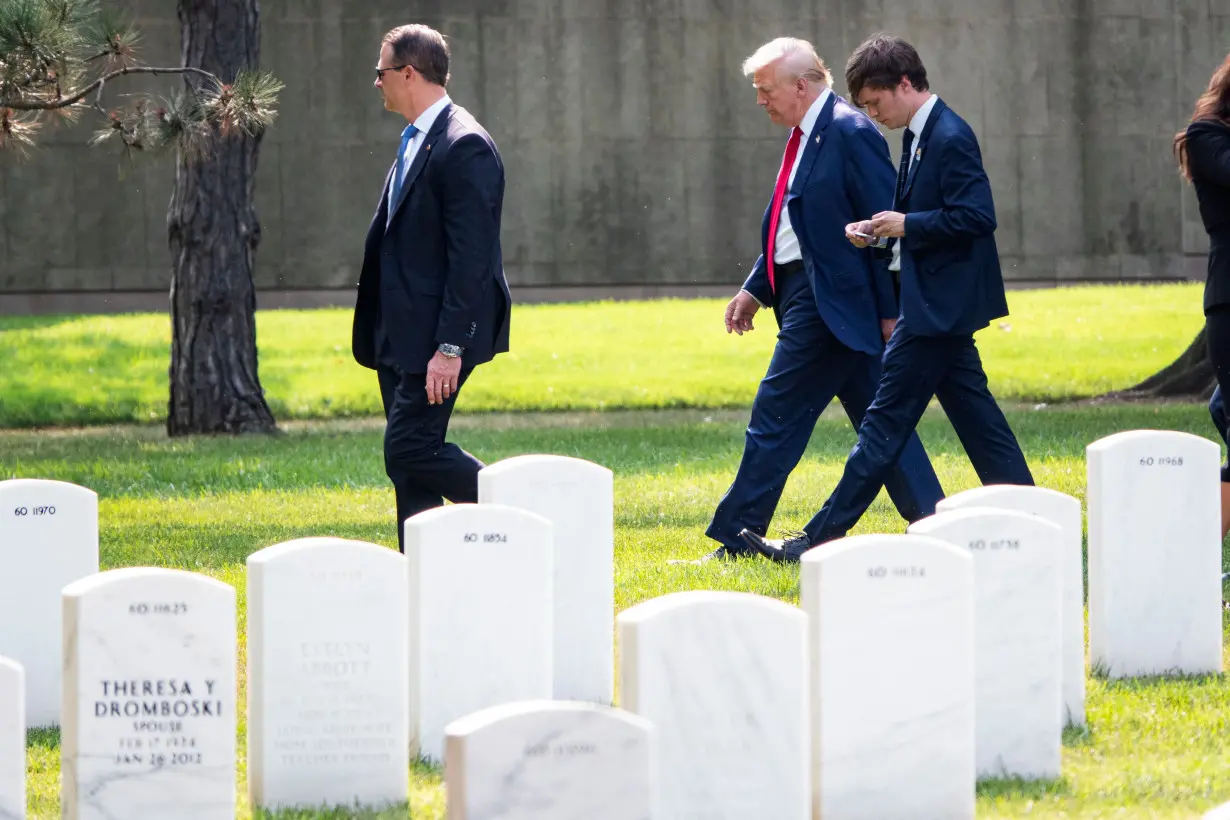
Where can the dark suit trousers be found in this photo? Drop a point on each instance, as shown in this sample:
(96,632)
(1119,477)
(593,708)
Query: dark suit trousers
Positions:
(424,468)
(915,369)
(808,369)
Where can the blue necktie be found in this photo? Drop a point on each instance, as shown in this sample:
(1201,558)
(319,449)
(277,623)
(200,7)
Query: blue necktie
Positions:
(399,171)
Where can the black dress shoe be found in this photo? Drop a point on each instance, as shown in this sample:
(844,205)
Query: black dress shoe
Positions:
(782,550)
(722,553)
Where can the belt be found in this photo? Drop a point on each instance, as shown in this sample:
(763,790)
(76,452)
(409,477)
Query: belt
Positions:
(787,269)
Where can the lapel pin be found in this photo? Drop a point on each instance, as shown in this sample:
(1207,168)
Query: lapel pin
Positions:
(817,139)
(917,153)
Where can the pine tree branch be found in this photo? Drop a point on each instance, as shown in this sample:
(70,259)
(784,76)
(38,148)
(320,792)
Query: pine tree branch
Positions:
(51,105)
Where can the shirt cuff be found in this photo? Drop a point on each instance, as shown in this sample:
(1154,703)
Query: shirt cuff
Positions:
(749,293)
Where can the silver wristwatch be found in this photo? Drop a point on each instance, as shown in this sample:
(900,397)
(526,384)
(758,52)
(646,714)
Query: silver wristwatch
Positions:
(452,351)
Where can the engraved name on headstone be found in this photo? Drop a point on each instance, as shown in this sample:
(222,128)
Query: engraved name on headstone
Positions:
(328,674)
(149,697)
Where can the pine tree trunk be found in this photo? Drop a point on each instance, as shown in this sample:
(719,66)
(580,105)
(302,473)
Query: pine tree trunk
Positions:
(213,234)
(1189,376)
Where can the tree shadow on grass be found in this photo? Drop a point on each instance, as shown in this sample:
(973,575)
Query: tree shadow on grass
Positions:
(25,322)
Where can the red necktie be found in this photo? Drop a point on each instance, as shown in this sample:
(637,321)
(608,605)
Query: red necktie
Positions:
(779,193)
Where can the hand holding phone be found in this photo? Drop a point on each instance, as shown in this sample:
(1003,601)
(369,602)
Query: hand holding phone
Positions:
(858,234)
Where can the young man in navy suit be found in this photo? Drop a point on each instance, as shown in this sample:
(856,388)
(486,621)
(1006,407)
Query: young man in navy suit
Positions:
(834,303)
(940,238)
(433,302)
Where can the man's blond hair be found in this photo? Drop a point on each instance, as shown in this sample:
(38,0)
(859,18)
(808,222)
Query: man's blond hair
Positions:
(798,59)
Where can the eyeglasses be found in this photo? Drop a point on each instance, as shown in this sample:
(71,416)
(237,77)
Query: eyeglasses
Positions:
(380,71)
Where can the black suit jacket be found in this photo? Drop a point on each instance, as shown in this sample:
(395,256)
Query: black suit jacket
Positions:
(1208,158)
(434,273)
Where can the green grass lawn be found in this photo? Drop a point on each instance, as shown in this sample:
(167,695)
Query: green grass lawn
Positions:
(1155,748)
(1056,344)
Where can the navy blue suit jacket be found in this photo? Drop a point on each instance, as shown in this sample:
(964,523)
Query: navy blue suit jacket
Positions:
(951,283)
(845,175)
(435,269)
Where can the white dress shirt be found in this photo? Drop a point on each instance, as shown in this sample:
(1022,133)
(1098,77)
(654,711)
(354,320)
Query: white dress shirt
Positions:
(423,123)
(917,123)
(786,245)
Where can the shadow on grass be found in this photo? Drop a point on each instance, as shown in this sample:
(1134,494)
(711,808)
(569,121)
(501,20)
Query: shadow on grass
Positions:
(324,812)
(15,322)
(1075,737)
(47,739)
(1102,672)
(1015,787)
(197,546)
(420,769)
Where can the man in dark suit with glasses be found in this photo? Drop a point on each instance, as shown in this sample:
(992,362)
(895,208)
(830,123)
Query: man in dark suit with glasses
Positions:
(433,302)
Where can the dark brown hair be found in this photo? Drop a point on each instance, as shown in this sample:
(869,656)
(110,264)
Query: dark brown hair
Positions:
(1213,104)
(422,48)
(880,62)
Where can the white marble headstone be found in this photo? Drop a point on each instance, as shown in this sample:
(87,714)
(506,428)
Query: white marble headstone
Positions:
(328,674)
(722,676)
(480,614)
(1018,658)
(1221,812)
(1065,511)
(1154,554)
(12,741)
(892,677)
(48,539)
(549,760)
(577,497)
(149,697)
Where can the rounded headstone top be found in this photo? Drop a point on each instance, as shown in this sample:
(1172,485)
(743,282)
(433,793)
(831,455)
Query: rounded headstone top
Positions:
(1126,437)
(1221,812)
(941,519)
(690,599)
(37,484)
(318,544)
(991,493)
(545,463)
(134,575)
(468,512)
(843,548)
(483,718)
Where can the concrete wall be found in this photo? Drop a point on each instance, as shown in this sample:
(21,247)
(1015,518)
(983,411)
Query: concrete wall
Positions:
(637,160)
